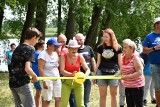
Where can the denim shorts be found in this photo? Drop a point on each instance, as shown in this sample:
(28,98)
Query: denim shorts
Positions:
(37,85)
(155,71)
(107,82)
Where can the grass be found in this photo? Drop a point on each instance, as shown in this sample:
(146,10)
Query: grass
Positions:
(6,98)
(51,32)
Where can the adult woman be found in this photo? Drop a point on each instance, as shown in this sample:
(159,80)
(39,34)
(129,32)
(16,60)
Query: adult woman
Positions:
(70,64)
(109,55)
(48,67)
(132,75)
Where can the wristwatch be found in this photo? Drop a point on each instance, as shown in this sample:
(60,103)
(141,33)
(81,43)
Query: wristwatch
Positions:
(154,48)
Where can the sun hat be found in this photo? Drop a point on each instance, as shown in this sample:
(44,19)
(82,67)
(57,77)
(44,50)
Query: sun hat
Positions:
(156,20)
(53,41)
(73,44)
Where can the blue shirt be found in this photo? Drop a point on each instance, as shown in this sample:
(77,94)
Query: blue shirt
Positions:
(153,40)
(146,70)
(9,55)
(35,64)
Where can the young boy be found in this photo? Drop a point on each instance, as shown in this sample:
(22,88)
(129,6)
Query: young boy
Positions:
(9,55)
(19,77)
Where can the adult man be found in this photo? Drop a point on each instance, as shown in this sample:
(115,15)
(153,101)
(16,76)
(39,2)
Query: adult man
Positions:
(19,79)
(62,49)
(88,54)
(151,46)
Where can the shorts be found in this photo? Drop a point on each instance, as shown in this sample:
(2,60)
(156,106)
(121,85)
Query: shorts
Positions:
(37,85)
(155,72)
(108,82)
(54,89)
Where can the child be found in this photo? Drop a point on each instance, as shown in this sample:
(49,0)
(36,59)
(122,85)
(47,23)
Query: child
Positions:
(19,77)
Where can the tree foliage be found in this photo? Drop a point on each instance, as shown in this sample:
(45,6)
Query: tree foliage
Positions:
(127,18)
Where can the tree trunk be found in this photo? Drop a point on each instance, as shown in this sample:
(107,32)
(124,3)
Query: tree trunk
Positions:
(1,16)
(29,18)
(80,16)
(70,27)
(92,32)
(81,24)
(59,23)
(105,22)
(41,16)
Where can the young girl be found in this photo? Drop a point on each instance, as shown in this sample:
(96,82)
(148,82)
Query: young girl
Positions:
(109,54)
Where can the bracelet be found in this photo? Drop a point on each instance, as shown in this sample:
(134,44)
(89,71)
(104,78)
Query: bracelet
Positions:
(154,48)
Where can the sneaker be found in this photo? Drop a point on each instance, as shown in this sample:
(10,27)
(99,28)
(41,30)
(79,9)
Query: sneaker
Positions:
(153,101)
(145,102)
(121,105)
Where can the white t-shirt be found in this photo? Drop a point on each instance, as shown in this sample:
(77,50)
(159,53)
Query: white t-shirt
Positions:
(51,65)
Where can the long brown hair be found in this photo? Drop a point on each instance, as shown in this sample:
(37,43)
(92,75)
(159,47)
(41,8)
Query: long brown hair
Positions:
(114,42)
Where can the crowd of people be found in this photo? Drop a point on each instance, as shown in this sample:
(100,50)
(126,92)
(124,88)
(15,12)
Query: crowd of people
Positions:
(138,71)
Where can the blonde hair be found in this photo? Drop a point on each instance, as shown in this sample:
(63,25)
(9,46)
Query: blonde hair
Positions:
(130,43)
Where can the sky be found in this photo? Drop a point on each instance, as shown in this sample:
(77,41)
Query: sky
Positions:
(8,13)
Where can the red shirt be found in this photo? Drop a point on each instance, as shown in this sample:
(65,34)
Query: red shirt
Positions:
(71,68)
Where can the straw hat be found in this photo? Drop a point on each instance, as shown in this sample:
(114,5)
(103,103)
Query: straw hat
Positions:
(73,44)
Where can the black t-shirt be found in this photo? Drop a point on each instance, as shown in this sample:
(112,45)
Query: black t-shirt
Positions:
(18,76)
(87,53)
(109,57)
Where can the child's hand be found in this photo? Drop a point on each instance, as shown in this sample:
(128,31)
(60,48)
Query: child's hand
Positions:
(34,79)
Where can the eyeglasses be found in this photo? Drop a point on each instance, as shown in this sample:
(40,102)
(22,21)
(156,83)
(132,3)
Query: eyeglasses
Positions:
(74,48)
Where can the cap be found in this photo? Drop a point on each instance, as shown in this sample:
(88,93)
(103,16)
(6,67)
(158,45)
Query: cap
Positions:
(156,20)
(53,41)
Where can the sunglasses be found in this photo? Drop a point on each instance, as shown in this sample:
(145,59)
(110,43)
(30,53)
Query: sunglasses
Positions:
(74,48)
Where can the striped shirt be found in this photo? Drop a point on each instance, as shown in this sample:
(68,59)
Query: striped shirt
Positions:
(127,69)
